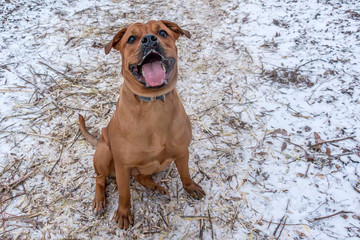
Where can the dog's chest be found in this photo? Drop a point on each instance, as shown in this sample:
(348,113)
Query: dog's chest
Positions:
(153,166)
(153,155)
(150,149)
(149,137)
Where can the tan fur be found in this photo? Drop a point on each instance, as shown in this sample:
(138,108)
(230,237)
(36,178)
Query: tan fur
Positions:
(142,138)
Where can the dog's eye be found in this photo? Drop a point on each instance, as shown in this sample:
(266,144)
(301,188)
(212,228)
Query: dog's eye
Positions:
(131,39)
(163,33)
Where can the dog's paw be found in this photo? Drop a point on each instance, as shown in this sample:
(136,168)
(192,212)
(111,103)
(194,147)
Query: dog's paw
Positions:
(124,218)
(161,190)
(195,191)
(99,205)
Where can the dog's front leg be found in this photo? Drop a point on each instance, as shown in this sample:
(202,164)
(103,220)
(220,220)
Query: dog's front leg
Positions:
(123,214)
(182,164)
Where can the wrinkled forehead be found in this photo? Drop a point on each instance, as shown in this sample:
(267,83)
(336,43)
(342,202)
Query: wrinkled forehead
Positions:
(145,28)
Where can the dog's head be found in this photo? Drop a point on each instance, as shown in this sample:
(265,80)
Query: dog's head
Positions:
(149,56)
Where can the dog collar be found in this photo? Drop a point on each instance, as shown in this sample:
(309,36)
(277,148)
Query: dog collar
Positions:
(152,99)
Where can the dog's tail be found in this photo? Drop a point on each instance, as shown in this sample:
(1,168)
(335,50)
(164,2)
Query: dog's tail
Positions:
(88,136)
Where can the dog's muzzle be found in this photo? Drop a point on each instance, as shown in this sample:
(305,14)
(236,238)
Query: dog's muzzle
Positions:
(154,68)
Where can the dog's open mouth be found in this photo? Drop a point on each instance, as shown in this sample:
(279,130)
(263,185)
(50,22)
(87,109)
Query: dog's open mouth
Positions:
(154,70)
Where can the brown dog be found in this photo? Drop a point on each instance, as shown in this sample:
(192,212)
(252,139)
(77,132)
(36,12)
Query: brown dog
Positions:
(150,128)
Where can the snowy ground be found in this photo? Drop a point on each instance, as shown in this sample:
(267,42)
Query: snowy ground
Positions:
(271,87)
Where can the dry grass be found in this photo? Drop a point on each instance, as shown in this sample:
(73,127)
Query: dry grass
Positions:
(47,183)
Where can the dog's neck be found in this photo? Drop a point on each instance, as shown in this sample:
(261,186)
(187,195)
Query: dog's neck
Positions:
(152,99)
(162,97)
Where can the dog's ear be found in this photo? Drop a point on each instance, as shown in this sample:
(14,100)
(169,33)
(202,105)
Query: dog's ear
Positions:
(176,29)
(117,38)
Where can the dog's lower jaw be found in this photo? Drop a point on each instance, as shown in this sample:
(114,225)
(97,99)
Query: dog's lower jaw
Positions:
(147,68)
(157,87)
(139,89)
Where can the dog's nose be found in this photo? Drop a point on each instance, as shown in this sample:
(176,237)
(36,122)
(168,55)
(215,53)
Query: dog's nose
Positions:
(149,40)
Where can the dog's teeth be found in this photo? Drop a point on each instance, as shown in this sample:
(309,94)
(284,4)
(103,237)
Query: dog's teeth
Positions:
(163,66)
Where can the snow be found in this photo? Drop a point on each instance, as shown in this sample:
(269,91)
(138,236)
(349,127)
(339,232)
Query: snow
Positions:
(257,78)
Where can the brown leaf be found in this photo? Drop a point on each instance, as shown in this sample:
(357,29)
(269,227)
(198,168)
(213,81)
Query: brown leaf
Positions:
(284,145)
(281,131)
(261,153)
(328,151)
(356,189)
(322,176)
(301,234)
(318,141)
(317,138)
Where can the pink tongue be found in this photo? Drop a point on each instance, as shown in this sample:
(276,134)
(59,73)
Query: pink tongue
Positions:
(154,74)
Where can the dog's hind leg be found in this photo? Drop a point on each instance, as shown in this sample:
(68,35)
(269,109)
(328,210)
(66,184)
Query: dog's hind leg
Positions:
(103,168)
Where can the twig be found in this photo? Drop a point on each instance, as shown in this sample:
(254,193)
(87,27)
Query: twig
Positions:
(313,92)
(332,215)
(69,40)
(177,193)
(56,71)
(331,141)
(201,233)
(248,53)
(12,197)
(21,217)
(61,151)
(282,227)
(78,134)
(270,222)
(194,217)
(17,182)
(356,189)
(287,205)
(186,232)
(218,104)
(31,134)
(297,145)
(164,236)
(7,168)
(244,178)
(203,173)
(163,218)
(211,226)
(67,194)
(318,59)
(288,224)
(234,218)
(318,207)
(274,234)
(14,90)
(307,170)
(37,89)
